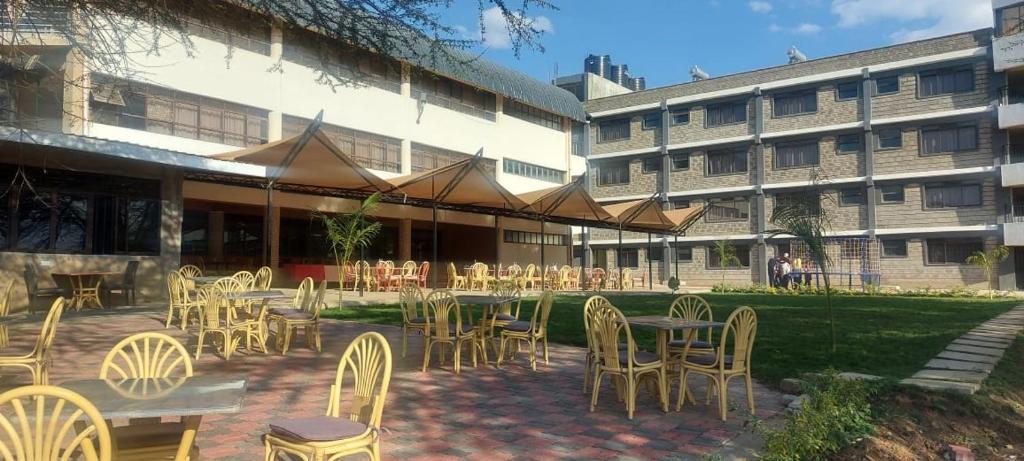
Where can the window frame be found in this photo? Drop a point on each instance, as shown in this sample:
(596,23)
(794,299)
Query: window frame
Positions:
(620,256)
(948,185)
(844,201)
(860,143)
(709,216)
(741,250)
(684,260)
(955,70)
(654,160)
(878,138)
(650,121)
(882,249)
(856,83)
(797,94)
(602,127)
(804,142)
(876,80)
(928,243)
(676,155)
(882,192)
(721,105)
(957,128)
(709,153)
(672,116)
(619,163)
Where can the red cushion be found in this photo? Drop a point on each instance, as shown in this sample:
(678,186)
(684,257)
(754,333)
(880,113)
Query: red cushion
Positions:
(317,428)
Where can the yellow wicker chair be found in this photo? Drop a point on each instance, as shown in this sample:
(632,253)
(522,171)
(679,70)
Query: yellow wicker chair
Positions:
(445,326)
(182,302)
(189,272)
(455,281)
(49,423)
(530,332)
(38,360)
(346,429)
(369,277)
(307,317)
(217,318)
(264,276)
(693,308)
(590,366)
(607,326)
(626,282)
(479,277)
(503,314)
(6,295)
(513,273)
(530,279)
(409,298)
(737,336)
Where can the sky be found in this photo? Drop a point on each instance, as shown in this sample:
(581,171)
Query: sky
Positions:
(661,39)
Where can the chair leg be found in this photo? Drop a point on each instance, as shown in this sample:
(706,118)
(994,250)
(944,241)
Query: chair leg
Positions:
(375,450)
(683,388)
(170,314)
(546,362)
(750,391)
(405,340)
(501,352)
(663,389)
(723,396)
(586,371)
(533,353)
(458,357)
(199,344)
(426,354)
(597,389)
(631,386)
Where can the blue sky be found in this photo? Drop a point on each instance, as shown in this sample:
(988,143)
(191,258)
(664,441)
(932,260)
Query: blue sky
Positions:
(662,39)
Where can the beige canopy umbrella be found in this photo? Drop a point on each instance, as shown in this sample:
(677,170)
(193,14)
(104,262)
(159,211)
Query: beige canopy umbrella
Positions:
(645,213)
(684,218)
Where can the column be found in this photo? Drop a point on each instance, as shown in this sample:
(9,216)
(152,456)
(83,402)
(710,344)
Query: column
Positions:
(405,162)
(869,150)
(275,244)
(275,130)
(406,88)
(215,241)
(76,95)
(585,234)
(761,204)
(664,187)
(405,239)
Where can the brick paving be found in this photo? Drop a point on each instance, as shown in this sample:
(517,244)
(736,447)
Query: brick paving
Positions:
(486,413)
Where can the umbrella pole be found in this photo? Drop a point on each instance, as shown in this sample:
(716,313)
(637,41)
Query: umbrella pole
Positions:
(676,251)
(362,257)
(497,245)
(618,258)
(543,268)
(434,262)
(650,265)
(268,227)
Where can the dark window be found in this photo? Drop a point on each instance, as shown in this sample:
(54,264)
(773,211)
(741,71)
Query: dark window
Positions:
(891,193)
(796,154)
(849,143)
(851,196)
(894,248)
(613,130)
(681,161)
(534,238)
(195,232)
(742,253)
(369,150)
(804,102)
(1011,20)
(657,253)
(888,138)
(630,258)
(613,173)
(725,113)
(451,94)
(726,162)
(651,164)
(679,116)
(809,201)
(945,81)
(532,114)
(651,121)
(728,210)
(847,90)
(940,140)
(952,195)
(529,170)
(243,235)
(887,85)
(679,204)
(952,251)
(684,254)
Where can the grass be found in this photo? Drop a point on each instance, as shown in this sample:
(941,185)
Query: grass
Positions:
(887,336)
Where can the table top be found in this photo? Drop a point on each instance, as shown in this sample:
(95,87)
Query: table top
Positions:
(484,300)
(157,397)
(257,295)
(206,279)
(664,322)
(84,273)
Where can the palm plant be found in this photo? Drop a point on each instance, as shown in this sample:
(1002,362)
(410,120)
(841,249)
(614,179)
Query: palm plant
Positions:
(989,262)
(726,253)
(347,233)
(808,220)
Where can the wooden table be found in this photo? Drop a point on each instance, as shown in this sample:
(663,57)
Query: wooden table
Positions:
(189,398)
(664,324)
(85,286)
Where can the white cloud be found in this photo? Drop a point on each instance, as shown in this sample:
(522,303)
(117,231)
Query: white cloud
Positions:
(494,28)
(918,18)
(760,6)
(804,28)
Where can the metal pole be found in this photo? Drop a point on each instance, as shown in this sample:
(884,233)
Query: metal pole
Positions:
(618,258)
(267,225)
(362,257)
(676,251)
(543,268)
(497,245)
(434,219)
(650,265)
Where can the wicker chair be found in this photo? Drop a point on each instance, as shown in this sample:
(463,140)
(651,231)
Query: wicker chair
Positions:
(693,308)
(189,272)
(529,332)
(409,299)
(607,325)
(444,322)
(421,274)
(478,277)
(217,319)
(737,336)
(455,281)
(590,365)
(38,360)
(38,426)
(529,279)
(181,300)
(307,318)
(6,297)
(504,314)
(352,430)
(264,277)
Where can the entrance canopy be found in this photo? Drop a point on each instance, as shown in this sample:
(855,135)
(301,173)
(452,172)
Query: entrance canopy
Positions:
(646,213)
(567,201)
(464,183)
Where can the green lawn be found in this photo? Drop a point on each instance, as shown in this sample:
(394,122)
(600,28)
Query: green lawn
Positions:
(887,336)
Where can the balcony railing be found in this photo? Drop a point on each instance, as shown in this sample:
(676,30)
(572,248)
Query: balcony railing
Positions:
(36,19)
(1013,213)
(1008,95)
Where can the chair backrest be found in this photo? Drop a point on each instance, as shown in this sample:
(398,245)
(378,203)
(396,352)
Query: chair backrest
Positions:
(368,360)
(738,338)
(597,272)
(441,307)
(508,289)
(146,355)
(317,303)
(303,292)
(130,271)
(246,279)
(190,271)
(514,271)
(424,270)
(49,330)
(607,326)
(175,286)
(627,277)
(588,312)
(229,285)
(6,294)
(264,277)
(479,271)
(409,268)
(48,423)
(213,306)
(541,312)
(530,271)
(691,307)
(409,298)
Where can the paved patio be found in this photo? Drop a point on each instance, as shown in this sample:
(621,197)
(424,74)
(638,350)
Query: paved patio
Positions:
(486,413)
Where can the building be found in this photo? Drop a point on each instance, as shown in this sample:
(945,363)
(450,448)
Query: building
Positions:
(111,169)
(903,143)
(600,78)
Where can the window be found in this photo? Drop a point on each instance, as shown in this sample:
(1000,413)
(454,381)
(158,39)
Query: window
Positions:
(891,193)
(243,234)
(367,149)
(894,248)
(887,85)
(796,103)
(613,130)
(679,116)
(159,110)
(945,81)
(651,121)
(684,254)
(195,232)
(1011,20)
(532,114)
(630,257)
(651,164)
(679,204)
(888,138)
(725,113)
(851,196)
(450,94)
(681,161)
(847,90)
(656,253)
(951,195)
(951,251)
(71,212)
(728,210)
(250,35)
(742,253)
(796,154)
(726,162)
(848,143)
(347,64)
(613,173)
(942,140)
(811,201)
(426,157)
(534,238)
(529,170)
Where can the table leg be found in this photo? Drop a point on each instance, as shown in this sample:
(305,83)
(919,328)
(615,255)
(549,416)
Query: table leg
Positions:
(188,437)
(663,353)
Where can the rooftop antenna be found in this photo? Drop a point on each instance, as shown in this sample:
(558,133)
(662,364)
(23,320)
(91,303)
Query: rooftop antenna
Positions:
(795,55)
(698,74)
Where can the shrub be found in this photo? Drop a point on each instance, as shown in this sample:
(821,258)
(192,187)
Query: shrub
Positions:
(673,283)
(870,290)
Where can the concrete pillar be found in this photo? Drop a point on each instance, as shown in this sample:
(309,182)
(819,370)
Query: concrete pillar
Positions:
(215,251)
(275,244)
(405,162)
(406,88)
(275,125)
(276,41)
(172,212)
(405,239)
(76,95)
(275,130)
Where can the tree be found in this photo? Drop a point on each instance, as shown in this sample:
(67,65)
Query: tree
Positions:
(347,233)
(806,218)
(726,253)
(989,262)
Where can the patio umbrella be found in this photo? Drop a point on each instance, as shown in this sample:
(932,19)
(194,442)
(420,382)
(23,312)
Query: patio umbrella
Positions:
(646,213)
(684,218)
